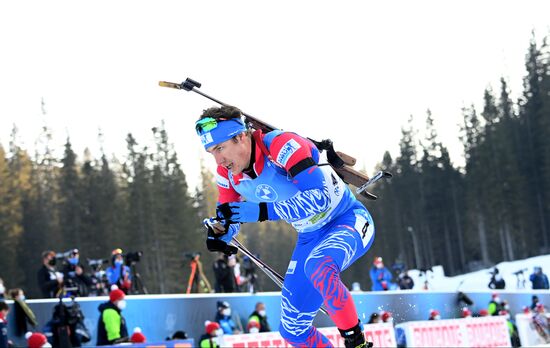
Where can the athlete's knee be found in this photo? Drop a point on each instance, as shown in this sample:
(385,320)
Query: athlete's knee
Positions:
(321,271)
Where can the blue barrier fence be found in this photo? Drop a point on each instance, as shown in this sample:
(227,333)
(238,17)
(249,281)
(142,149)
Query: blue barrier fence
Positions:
(159,316)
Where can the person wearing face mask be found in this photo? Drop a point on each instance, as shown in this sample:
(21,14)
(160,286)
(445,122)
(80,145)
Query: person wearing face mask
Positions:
(259,316)
(223,317)
(73,273)
(212,336)
(380,276)
(495,306)
(119,274)
(386,317)
(111,328)
(50,282)
(22,313)
(434,315)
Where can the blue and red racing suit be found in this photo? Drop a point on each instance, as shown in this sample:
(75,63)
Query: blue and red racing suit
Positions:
(334,229)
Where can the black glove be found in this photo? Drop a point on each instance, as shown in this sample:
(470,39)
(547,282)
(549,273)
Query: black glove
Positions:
(214,243)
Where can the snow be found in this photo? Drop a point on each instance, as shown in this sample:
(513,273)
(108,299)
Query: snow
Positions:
(478,280)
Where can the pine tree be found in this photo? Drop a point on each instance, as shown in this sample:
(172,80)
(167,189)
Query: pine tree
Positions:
(70,200)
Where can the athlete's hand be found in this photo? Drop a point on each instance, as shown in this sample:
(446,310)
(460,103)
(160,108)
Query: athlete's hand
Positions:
(242,212)
(219,242)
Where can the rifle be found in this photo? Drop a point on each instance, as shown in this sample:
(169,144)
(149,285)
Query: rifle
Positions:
(341,163)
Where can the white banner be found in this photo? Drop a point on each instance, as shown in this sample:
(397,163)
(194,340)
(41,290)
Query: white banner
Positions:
(469,332)
(382,335)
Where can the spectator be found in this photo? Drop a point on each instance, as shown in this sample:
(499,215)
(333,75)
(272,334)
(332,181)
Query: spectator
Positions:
(259,316)
(512,328)
(22,313)
(137,336)
(234,263)
(250,274)
(4,309)
(2,289)
(539,279)
(50,282)
(211,337)
(380,276)
(386,317)
(374,318)
(178,335)
(496,282)
(434,315)
(495,305)
(119,274)
(37,340)
(223,317)
(74,276)
(466,312)
(253,327)
(225,279)
(404,281)
(534,302)
(111,327)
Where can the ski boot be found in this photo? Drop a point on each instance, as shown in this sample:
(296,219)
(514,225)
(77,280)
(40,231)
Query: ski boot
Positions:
(354,337)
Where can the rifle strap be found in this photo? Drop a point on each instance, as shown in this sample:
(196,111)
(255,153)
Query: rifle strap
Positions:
(259,139)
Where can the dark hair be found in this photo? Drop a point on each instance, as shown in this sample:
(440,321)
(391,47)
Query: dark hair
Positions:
(179,335)
(226,111)
(13,293)
(4,306)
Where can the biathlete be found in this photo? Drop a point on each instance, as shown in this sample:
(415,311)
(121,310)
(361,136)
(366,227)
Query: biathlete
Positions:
(276,176)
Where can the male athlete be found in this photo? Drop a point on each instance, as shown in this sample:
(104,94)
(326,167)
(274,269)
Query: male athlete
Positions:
(276,176)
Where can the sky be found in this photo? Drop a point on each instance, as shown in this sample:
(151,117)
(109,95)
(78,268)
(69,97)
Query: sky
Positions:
(353,71)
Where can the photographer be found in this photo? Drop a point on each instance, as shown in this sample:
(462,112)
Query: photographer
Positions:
(73,273)
(119,274)
(497,282)
(50,282)
(539,279)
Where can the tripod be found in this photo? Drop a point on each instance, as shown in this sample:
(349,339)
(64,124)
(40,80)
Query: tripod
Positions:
(137,284)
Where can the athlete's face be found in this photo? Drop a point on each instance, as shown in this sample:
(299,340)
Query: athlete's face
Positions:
(233,154)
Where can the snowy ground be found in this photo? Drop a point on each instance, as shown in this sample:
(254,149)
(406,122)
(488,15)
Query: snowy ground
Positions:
(478,280)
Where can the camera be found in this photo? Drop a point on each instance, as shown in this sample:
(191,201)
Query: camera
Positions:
(96,263)
(516,273)
(66,254)
(133,257)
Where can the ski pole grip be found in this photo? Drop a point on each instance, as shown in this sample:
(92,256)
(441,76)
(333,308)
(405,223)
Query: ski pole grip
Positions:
(169,84)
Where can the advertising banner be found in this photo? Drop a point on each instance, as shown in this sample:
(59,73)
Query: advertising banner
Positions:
(382,335)
(469,332)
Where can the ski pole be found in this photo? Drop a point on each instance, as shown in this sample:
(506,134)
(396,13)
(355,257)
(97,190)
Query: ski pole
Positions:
(270,272)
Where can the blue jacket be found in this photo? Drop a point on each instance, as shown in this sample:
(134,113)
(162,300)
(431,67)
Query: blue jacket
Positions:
(226,323)
(539,280)
(113,273)
(377,276)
